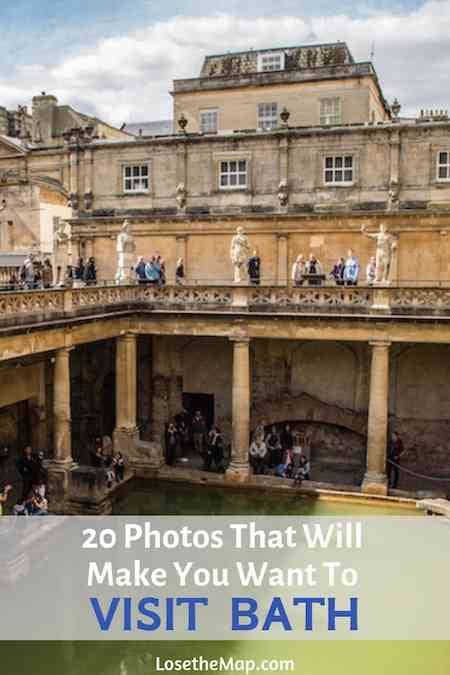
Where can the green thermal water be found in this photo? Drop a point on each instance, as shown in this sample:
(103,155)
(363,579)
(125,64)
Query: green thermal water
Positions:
(311,658)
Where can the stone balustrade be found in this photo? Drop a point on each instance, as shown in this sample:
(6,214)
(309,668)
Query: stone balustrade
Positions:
(23,307)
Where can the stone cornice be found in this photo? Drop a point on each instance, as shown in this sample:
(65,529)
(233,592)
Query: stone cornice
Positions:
(281,223)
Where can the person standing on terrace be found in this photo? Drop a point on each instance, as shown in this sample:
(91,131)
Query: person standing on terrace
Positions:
(351,271)
(179,272)
(298,270)
(254,269)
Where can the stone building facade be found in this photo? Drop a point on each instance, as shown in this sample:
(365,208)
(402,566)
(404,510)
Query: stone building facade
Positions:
(343,365)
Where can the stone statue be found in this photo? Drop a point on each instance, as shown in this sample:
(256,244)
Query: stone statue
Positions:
(283,194)
(386,245)
(239,253)
(59,231)
(126,253)
(181,195)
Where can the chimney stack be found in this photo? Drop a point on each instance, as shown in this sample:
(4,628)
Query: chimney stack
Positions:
(43,112)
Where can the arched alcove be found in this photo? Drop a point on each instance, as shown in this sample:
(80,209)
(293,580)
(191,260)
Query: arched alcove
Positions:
(327,371)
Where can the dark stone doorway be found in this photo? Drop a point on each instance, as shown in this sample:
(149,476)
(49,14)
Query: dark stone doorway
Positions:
(202,402)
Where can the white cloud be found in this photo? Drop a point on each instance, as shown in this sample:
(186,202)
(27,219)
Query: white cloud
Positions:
(128,77)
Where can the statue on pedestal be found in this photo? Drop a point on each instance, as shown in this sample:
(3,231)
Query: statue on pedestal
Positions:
(126,253)
(181,196)
(283,193)
(386,246)
(239,253)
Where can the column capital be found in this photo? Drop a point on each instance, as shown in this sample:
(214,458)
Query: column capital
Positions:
(127,336)
(239,340)
(381,344)
(282,236)
(64,351)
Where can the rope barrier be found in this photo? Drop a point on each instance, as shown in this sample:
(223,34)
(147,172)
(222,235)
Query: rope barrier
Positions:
(417,475)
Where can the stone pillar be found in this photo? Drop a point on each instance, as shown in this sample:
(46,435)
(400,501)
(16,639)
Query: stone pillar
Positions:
(73,189)
(89,249)
(88,178)
(62,440)
(375,479)
(282,276)
(239,467)
(126,431)
(60,467)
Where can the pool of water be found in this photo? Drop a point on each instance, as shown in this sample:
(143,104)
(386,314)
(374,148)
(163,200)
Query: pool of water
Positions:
(310,658)
(171,499)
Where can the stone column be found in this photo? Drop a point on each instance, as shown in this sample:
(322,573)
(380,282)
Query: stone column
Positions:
(89,249)
(73,189)
(88,178)
(239,467)
(126,431)
(375,479)
(282,276)
(62,440)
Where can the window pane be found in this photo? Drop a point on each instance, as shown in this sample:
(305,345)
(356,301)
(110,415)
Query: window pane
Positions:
(233,179)
(233,166)
(348,175)
(329,162)
(145,183)
(349,161)
(224,167)
(328,176)
(242,179)
(338,176)
(338,162)
(443,172)
(144,170)
(443,157)
(136,170)
(128,171)
(128,184)
(242,165)
(224,180)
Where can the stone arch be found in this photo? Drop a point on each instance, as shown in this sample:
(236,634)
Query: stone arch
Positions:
(305,408)
(327,371)
(338,436)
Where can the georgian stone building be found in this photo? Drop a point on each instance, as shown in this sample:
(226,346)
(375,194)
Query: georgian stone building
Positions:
(300,148)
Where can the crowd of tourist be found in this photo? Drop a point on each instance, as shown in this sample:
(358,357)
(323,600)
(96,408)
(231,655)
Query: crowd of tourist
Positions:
(111,464)
(33,498)
(39,274)
(186,434)
(35,273)
(285,454)
(151,270)
(345,271)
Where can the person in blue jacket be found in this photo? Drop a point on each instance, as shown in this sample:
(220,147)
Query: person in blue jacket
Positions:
(152,271)
(351,269)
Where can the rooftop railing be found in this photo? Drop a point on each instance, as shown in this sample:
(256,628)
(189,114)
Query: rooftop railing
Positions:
(34,306)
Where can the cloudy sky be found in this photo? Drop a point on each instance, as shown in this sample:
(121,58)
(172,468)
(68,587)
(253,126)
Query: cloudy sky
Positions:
(117,58)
